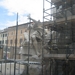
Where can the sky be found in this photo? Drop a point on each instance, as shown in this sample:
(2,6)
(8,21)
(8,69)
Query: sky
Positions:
(10,8)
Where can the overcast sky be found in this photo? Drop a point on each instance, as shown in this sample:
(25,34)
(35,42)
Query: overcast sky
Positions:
(9,8)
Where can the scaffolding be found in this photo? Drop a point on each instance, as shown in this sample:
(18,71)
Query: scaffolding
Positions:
(58,45)
(18,66)
(61,16)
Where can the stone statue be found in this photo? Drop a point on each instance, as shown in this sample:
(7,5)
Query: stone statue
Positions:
(35,42)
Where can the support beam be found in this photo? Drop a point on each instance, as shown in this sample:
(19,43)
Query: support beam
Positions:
(59,56)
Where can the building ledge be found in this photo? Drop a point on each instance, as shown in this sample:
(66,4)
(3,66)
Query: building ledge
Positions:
(55,1)
(62,20)
(59,56)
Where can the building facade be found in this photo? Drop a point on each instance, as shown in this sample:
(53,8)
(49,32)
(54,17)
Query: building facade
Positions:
(3,42)
(11,32)
(20,35)
(8,38)
(3,37)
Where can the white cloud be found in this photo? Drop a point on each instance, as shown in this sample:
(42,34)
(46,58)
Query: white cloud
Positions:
(7,24)
(23,7)
(13,23)
(10,14)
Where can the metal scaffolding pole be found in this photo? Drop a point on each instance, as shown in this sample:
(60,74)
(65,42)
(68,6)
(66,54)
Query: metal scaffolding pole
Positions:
(28,46)
(16,46)
(6,55)
(62,12)
(43,39)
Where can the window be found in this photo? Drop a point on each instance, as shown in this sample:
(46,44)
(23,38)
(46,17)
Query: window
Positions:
(5,35)
(11,42)
(0,42)
(1,35)
(6,41)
